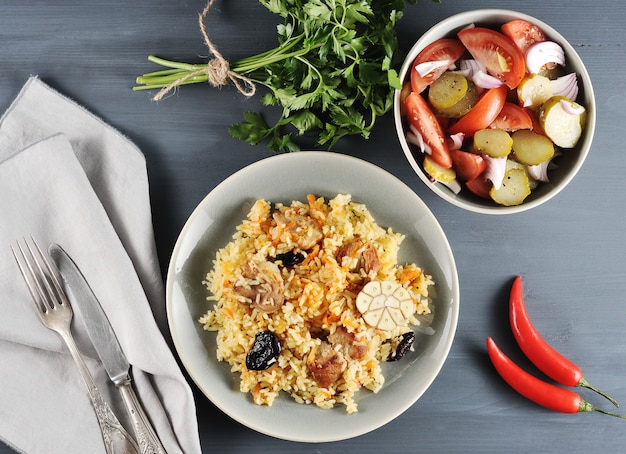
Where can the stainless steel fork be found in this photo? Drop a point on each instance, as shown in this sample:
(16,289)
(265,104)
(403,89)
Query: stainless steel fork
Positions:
(56,313)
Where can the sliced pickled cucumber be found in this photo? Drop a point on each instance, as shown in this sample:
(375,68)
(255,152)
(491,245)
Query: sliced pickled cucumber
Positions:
(496,143)
(531,148)
(559,122)
(511,164)
(534,90)
(438,172)
(447,90)
(514,189)
(452,95)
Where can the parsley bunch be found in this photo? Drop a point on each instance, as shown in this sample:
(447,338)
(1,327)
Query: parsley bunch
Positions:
(332,71)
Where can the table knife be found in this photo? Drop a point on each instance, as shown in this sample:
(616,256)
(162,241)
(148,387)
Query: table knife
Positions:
(107,346)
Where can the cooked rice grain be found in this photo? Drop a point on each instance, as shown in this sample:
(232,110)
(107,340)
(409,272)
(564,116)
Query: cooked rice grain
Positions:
(319,296)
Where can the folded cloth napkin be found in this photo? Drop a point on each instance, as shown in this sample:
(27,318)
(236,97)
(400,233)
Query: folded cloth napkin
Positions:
(67,177)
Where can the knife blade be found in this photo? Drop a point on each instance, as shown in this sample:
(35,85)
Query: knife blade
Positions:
(107,346)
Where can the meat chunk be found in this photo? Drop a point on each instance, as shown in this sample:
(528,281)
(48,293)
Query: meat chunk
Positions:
(262,287)
(302,230)
(326,364)
(362,255)
(350,346)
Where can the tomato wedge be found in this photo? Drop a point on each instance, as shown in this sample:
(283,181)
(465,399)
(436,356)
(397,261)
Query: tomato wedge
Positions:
(502,58)
(440,50)
(467,166)
(480,186)
(512,117)
(422,118)
(482,114)
(536,126)
(523,33)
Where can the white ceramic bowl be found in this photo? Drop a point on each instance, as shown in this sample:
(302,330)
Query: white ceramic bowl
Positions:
(568,164)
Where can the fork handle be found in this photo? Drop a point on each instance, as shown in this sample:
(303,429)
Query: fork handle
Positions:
(146,437)
(116,439)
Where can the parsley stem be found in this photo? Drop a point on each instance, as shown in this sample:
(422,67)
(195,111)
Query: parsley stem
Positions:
(262,59)
(175,64)
(160,79)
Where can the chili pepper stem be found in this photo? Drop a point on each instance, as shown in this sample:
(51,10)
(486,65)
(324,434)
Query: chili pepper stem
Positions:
(586,406)
(583,383)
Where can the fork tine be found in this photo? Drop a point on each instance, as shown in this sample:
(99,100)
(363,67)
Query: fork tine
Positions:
(43,285)
(24,273)
(51,274)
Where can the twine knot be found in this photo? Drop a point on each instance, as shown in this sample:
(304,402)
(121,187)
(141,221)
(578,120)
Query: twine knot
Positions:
(217,69)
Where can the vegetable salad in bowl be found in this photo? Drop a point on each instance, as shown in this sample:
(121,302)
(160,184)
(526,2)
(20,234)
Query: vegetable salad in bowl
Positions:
(497,111)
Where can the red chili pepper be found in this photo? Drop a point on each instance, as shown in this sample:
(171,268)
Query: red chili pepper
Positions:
(540,353)
(545,394)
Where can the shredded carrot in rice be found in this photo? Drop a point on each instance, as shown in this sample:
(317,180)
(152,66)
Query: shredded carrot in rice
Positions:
(330,317)
(229,313)
(350,324)
(408,275)
(311,255)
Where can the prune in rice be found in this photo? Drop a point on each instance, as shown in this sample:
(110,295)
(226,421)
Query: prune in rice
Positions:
(264,351)
(290,258)
(406,340)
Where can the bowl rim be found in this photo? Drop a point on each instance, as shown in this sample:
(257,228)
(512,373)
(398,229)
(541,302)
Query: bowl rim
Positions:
(493,15)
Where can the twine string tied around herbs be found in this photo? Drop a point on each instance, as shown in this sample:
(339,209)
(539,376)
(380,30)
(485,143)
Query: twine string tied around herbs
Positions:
(217,69)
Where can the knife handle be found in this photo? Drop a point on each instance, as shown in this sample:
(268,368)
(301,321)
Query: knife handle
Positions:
(116,439)
(146,437)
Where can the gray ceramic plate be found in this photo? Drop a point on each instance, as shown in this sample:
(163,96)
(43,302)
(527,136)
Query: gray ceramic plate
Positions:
(284,178)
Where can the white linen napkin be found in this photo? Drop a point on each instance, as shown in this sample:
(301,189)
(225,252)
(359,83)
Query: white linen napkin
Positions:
(69,178)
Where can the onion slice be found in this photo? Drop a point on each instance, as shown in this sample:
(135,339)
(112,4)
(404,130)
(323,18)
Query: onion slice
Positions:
(496,168)
(427,67)
(566,85)
(477,72)
(543,53)
(414,137)
(572,108)
(453,185)
(456,141)
(539,172)
(470,67)
(484,80)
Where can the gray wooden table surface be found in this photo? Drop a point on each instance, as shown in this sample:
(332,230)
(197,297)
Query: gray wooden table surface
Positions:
(571,251)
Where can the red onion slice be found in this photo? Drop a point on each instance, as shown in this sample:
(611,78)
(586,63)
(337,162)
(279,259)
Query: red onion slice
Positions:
(427,67)
(414,137)
(566,85)
(471,67)
(484,80)
(572,108)
(456,141)
(542,53)
(496,168)
(539,172)
(477,72)
(453,185)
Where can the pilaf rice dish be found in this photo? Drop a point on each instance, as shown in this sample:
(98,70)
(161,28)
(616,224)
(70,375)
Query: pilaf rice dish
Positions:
(310,299)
